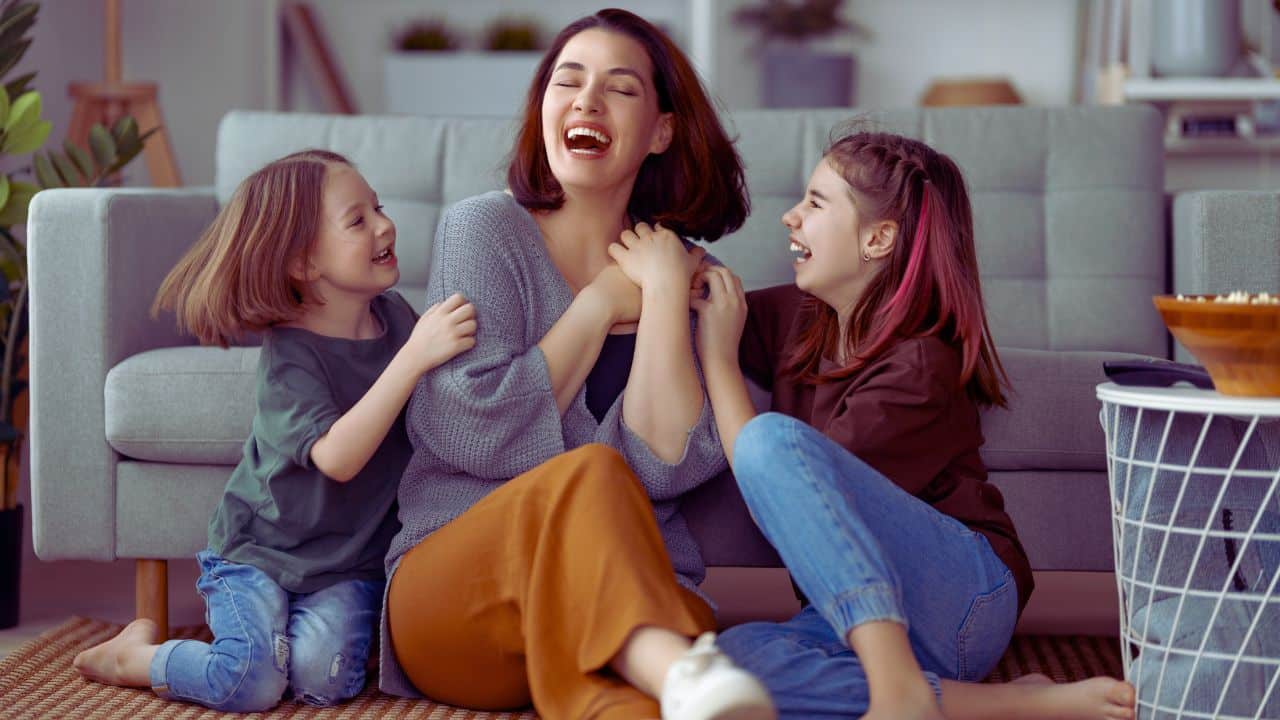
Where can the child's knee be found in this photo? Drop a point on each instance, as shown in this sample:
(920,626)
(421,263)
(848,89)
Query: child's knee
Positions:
(324,676)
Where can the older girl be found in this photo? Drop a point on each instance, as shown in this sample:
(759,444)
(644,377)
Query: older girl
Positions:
(867,477)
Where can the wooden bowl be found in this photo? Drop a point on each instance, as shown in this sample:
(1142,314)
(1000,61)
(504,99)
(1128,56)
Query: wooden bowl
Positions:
(1238,343)
(953,91)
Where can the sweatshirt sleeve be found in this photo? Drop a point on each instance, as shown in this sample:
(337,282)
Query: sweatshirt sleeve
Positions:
(703,457)
(489,412)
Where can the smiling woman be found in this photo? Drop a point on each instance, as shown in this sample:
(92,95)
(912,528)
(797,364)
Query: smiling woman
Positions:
(543,458)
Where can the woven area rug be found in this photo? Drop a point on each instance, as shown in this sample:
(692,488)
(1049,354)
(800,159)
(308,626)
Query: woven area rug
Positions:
(37,681)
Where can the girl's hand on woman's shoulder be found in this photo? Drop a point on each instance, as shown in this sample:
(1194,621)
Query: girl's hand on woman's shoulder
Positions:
(721,315)
(444,330)
(656,258)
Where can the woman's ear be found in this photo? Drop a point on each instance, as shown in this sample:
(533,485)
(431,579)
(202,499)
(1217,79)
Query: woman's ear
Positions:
(881,239)
(663,135)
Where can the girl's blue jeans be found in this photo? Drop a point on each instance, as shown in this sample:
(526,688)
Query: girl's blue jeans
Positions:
(862,549)
(268,640)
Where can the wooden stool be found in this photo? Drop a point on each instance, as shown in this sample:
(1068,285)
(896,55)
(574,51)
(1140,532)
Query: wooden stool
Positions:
(107,102)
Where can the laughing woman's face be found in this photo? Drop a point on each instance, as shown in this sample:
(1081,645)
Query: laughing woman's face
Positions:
(600,116)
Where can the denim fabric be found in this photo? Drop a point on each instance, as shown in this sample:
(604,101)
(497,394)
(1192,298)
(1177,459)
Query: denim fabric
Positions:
(862,549)
(268,640)
(1186,642)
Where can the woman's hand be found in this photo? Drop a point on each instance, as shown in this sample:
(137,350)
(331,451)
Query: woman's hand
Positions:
(721,316)
(617,293)
(655,258)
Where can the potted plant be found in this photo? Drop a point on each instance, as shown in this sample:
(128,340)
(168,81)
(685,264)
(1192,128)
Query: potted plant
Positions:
(419,79)
(788,29)
(23,131)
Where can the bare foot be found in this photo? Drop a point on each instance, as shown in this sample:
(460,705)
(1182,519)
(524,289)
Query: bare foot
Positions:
(124,659)
(1034,679)
(1099,698)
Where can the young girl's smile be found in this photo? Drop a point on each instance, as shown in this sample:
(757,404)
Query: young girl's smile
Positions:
(355,247)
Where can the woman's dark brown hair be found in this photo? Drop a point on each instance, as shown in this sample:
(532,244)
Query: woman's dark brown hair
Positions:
(695,188)
(236,279)
(930,284)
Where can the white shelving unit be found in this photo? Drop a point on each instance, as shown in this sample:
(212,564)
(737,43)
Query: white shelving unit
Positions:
(1179,92)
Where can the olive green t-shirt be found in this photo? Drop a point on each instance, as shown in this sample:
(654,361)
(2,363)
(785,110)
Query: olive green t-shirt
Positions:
(278,512)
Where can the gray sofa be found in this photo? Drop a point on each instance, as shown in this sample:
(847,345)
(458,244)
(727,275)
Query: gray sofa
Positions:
(134,429)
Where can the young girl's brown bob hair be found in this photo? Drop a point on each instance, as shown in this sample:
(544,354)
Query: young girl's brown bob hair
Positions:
(236,278)
(695,188)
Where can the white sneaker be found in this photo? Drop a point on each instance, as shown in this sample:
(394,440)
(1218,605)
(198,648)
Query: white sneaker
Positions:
(704,684)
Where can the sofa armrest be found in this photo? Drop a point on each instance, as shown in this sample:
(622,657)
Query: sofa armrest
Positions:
(1225,240)
(96,259)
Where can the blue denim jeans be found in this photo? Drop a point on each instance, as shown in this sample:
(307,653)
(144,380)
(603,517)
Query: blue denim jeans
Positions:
(267,640)
(862,549)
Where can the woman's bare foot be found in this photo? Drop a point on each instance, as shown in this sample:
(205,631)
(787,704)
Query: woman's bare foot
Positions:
(124,659)
(1098,698)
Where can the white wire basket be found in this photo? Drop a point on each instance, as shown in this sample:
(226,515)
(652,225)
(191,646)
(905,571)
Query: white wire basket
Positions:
(1194,480)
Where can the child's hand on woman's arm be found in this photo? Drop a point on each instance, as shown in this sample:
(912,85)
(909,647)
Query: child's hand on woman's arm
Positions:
(446,329)
(721,317)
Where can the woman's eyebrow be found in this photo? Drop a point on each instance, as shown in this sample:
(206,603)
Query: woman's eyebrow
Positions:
(570,65)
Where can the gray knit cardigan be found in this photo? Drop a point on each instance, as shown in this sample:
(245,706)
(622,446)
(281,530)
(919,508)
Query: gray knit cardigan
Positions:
(489,414)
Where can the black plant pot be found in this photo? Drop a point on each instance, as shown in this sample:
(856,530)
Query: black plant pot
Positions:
(795,76)
(10,565)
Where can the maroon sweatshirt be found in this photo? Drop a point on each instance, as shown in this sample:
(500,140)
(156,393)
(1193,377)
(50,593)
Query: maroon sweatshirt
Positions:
(905,414)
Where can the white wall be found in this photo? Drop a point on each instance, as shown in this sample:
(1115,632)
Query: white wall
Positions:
(210,56)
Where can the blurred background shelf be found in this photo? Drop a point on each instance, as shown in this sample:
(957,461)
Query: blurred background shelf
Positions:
(1206,89)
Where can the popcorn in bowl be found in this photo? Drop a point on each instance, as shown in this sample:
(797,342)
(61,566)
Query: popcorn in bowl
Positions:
(1235,336)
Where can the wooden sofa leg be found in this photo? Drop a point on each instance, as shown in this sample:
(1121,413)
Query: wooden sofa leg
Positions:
(151,593)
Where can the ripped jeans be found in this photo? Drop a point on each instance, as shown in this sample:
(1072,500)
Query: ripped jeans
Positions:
(268,640)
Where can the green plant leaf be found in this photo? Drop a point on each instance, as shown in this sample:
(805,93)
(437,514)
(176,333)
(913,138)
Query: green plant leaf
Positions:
(45,173)
(15,211)
(28,139)
(67,169)
(4,107)
(77,153)
(4,190)
(19,85)
(124,126)
(11,54)
(24,113)
(17,20)
(102,145)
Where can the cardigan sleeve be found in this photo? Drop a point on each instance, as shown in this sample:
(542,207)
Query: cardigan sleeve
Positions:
(489,412)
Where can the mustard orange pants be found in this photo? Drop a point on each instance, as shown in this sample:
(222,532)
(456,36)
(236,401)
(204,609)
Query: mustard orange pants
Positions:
(527,596)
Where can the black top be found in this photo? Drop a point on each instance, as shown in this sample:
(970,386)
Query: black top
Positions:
(609,375)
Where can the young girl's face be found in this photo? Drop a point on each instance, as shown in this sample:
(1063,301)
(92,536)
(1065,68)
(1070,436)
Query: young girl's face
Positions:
(600,115)
(826,237)
(354,253)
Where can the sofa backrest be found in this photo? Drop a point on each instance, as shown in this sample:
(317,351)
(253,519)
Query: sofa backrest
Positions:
(1068,202)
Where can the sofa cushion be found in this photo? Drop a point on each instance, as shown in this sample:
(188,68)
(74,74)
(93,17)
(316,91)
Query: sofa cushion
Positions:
(182,405)
(1052,419)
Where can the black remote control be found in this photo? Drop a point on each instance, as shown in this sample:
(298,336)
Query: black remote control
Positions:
(1154,372)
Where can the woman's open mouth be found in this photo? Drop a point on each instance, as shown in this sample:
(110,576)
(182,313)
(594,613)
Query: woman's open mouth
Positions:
(588,142)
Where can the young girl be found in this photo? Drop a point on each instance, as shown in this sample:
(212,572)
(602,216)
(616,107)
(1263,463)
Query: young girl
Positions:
(867,479)
(293,577)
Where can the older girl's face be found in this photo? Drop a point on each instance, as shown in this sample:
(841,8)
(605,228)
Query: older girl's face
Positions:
(600,116)
(824,233)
